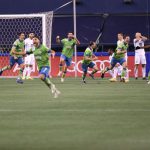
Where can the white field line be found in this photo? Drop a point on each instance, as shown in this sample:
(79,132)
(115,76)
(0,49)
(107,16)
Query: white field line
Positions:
(76,110)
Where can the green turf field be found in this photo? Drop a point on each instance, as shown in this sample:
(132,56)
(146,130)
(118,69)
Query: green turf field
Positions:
(96,116)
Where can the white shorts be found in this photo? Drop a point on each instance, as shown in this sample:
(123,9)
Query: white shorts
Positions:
(29,59)
(140,59)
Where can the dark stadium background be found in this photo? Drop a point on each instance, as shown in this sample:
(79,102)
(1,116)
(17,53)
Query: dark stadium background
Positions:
(123,17)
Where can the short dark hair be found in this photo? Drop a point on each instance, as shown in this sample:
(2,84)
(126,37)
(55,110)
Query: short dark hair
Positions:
(36,37)
(126,36)
(20,33)
(91,43)
(120,33)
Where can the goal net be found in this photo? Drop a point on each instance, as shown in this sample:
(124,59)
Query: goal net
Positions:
(11,25)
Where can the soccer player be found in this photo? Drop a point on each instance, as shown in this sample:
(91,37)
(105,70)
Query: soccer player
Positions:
(119,57)
(16,56)
(42,59)
(67,52)
(88,59)
(139,54)
(29,59)
(120,39)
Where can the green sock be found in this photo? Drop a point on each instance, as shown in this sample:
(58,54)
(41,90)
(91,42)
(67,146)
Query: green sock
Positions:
(149,76)
(83,76)
(60,67)
(20,72)
(94,71)
(63,75)
(48,82)
(123,74)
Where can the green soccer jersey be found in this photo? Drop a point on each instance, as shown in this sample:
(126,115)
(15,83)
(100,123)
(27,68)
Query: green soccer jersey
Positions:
(18,46)
(41,56)
(68,47)
(121,47)
(88,52)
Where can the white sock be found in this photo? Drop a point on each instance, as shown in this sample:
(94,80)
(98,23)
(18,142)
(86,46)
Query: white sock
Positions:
(136,72)
(115,72)
(144,71)
(119,70)
(25,72)
(111,73)
(29,71)
(127,74)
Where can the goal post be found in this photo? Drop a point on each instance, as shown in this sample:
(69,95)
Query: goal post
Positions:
(11,25)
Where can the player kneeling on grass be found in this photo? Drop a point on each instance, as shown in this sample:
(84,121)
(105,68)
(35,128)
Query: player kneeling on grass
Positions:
(16,56)
(42,59)
(119,57)
(87,62)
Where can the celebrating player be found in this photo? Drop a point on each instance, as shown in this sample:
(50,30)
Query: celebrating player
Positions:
(67,52)
(16,56)
(119,57)
(29,59)
(140,54)
(42,60)
(87,62)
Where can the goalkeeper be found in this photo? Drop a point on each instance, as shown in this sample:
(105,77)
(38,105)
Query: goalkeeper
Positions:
(42,59)
(16,56)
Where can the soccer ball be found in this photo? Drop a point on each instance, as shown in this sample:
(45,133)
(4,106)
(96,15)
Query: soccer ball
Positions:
(19,80)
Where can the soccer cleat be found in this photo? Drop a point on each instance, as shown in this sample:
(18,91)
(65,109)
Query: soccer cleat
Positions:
(126,80)
(19,80)
(83,81)
(29,78)
(148,82)
(62,80)
(92,76)
(122,79)
(1,72)
(136,78)
(23,78)
(144,78)
(113,80)
(53,88)
(56,93)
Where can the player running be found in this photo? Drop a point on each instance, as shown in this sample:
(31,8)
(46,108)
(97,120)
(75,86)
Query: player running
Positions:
(139,54)
(29,59)
(67,52)
(16,56)
(42,60)
(87,62)
(119,57)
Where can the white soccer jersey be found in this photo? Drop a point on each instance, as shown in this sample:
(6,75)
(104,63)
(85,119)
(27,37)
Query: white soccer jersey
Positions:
(29,44)
(29,59)
(139,43)
(120,42)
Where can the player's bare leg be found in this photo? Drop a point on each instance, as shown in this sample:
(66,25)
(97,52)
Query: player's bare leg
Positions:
(60,67)
(136,71)
(124,71)
(95,69)
(19,79)
(64,73)
(25,72)
(144,71)
(29,69)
